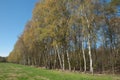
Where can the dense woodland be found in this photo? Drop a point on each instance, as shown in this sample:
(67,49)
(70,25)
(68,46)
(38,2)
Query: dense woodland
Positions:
(74,35)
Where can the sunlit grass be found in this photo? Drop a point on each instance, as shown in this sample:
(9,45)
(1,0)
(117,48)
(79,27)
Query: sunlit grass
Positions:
(10,71)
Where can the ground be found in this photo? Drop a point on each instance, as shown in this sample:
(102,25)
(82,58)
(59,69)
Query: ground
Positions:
(10,71)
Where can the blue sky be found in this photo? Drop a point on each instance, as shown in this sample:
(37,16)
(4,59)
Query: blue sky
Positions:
(14,14)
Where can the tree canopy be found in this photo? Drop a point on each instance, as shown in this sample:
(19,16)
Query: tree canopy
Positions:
(75,35)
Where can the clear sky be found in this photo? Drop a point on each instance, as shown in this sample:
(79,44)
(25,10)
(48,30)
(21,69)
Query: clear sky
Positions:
(14,14)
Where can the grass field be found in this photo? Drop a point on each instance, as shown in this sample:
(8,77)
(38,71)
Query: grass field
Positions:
(10,71)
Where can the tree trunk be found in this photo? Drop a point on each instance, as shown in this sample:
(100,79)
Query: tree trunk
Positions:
(55,59)
(89,44)
(63,61)
(59,56)
(68,58)
(90,56)
(83,51)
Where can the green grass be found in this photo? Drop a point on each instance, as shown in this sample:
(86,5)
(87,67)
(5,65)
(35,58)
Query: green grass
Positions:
(10,71)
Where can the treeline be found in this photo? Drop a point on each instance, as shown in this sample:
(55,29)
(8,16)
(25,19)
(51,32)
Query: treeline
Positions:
(3,59)
(82,35)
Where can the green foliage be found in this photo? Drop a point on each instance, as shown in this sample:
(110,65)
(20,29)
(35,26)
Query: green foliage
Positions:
(115,2)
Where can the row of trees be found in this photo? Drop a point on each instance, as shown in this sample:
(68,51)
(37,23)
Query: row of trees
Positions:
(79,35)
(3,59)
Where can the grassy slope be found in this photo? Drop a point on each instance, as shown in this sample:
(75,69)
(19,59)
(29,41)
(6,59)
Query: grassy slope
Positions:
(18,72)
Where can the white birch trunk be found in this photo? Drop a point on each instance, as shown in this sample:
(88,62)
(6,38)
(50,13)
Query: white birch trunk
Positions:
(90,55)
(59,56)
(89,44)
(68,60)
(83,51)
